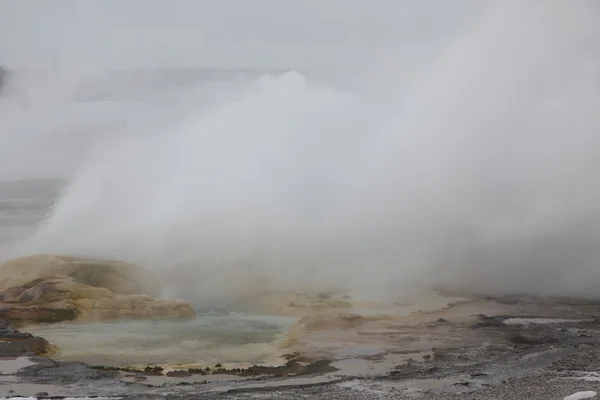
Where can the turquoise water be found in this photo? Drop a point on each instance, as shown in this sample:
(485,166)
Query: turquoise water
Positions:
(204,340)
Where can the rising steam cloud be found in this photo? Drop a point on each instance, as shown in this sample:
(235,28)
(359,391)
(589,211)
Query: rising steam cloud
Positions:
(480,170)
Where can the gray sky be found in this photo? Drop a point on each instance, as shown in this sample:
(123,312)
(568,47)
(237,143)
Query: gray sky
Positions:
(223,33)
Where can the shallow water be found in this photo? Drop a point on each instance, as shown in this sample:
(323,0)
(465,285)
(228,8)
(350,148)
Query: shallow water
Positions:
(11,365)
(202,341)
(544,321)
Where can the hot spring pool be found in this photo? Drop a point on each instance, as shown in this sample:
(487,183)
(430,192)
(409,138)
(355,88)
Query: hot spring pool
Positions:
(202,341)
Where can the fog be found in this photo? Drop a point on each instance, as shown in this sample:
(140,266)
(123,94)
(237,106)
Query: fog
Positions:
(227,33)
(462,153)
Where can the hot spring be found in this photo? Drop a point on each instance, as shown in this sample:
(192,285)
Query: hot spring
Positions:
(204,341)
(471,166)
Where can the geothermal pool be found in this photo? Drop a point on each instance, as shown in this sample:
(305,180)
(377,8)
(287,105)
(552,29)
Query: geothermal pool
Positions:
(206,340)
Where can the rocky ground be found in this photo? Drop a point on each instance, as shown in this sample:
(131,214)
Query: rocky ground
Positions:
(14,343)
(531,349)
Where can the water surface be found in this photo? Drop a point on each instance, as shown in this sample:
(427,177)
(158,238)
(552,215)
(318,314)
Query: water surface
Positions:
(205,340)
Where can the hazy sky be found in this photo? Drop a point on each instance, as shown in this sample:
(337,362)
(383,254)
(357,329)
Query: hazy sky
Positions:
(224,33)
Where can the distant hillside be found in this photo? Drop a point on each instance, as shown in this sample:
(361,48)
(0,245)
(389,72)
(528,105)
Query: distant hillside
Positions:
(38,189)
(32,197)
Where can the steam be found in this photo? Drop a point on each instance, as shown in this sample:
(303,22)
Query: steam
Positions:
(478,170)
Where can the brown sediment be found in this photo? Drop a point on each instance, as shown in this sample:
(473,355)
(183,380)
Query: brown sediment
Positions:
(295,366)
(47,289)
(149,370)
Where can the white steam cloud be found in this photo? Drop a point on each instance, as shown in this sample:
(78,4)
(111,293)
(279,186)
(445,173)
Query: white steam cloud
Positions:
(481,170)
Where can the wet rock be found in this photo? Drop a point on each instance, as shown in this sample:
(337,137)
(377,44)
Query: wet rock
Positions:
(530,339)
(487,321)
(406,369)
(179,374)
(538,335)
(63,372)
(153,370)
(7,330)
(14,343)
(290,368)
(199,371)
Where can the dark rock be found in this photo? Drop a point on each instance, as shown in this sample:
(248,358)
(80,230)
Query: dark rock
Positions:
(63,372)
(529,339)
(442,320)
(41,394)
(6,330)
(179,374)
(14,343)
(290,368)
(486,321)
(199,371)
(156,370)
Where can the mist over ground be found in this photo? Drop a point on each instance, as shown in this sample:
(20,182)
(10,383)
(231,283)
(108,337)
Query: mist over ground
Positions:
(461,153)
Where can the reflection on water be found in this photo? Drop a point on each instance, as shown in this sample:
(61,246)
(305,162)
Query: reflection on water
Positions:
(204,340)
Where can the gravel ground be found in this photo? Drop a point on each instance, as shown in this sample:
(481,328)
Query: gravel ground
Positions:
(496,360)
